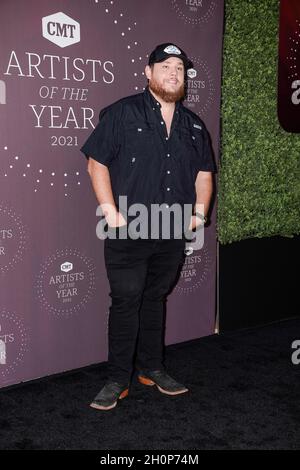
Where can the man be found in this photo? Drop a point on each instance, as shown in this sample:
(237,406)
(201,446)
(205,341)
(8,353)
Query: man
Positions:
(153,150)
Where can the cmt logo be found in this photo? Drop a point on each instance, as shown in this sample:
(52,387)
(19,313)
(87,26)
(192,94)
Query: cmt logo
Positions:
(192,73)
(61,29)
(66,267)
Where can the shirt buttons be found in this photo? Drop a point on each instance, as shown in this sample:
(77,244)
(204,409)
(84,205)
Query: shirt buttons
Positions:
(162,122)
(168,155)
(168,189)
(193,137)
(153,109)
(167,138)
(168,171)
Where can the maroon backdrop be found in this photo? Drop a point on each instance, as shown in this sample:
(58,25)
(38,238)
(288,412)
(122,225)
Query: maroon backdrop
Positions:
(289,66)
(61,62)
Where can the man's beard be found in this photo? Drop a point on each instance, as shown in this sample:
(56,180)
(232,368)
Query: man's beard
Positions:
(167,96)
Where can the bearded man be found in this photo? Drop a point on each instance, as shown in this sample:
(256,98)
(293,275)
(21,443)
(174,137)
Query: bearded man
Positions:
(155,152)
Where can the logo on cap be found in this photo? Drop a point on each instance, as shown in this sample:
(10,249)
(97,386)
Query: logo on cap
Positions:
(172,50)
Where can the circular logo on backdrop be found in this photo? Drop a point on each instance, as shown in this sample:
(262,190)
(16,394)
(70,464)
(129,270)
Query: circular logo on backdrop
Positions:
(194,271)
(13,342)
(66,282)
(200,88)
(194,11)
(12,239)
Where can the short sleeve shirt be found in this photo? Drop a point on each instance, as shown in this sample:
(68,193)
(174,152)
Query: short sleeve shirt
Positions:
(145,164)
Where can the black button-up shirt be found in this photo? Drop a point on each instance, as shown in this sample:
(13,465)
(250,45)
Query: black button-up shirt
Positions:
(144,163)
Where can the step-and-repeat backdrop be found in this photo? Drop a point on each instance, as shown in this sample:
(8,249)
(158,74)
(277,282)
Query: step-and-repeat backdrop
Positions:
(289,65)
(60,63)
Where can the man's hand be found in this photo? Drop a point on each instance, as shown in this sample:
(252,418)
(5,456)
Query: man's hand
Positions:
(115,219)
(195,222)
(102,186)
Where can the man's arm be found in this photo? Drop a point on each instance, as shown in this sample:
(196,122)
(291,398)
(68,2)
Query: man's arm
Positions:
(204,190)
(101,183)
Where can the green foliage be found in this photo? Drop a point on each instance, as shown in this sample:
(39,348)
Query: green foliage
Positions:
(259,183)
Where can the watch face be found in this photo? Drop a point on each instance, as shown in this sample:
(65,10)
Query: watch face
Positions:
(289,66)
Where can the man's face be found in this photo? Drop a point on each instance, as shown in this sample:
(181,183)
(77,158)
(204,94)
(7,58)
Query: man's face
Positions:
(166,79)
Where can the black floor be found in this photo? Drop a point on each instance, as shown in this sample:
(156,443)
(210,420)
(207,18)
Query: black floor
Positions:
(244,394)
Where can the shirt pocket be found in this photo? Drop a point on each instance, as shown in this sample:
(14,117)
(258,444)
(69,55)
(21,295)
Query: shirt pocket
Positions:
(191,136)
(191,148)
(138,138)
(138,146)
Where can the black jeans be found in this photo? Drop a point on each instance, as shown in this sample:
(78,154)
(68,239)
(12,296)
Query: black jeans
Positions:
(141,273)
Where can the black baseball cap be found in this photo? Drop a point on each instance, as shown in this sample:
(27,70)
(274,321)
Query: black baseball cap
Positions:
(163,51)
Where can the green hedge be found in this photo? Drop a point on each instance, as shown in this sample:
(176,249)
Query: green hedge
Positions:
(259,183)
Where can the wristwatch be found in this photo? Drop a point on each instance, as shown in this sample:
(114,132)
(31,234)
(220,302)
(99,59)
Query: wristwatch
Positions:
(202,217)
